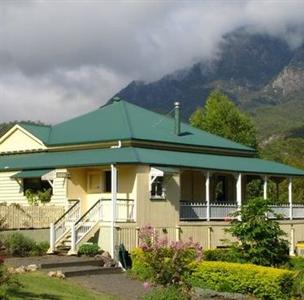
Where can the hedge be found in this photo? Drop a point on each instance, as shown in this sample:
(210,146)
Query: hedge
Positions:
(221,255)
(262,282)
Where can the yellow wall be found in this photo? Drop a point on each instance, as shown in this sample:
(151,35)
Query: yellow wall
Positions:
(79,186)
(157,212)
(20,140)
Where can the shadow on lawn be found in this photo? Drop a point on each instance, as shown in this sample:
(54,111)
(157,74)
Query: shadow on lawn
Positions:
(18,293)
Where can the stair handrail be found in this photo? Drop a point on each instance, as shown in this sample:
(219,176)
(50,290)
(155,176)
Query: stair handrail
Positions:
(59,228)
(84,224)
(71,215)
(71,208)
(77,223)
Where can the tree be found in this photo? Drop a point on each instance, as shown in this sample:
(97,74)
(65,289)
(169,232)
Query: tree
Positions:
(289,151)
(261,239)
(220,116)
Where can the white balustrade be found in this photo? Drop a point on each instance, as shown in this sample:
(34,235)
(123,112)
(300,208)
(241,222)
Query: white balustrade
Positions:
(63,224)
(124,210)
(222,211)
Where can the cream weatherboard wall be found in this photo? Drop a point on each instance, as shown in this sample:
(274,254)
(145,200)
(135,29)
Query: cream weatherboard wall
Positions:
(11,190)
(19,140)
(88,185)
(159,212)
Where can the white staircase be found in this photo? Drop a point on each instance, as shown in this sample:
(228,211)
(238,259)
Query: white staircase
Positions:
(85,227)
(71,229)
(60,230)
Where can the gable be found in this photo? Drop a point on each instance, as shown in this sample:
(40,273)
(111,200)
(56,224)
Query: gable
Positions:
(18,139)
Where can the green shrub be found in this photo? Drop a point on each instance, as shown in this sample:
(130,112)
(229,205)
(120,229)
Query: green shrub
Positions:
(17,244)
(6,281)
(261,240)
(220,255)
(88,249)
(297,263)
(34,197)
(262,282)
(169,293)
(298,286)
(40,248)
(140,268)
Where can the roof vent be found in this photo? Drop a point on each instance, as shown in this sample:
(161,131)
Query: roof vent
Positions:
(177,118)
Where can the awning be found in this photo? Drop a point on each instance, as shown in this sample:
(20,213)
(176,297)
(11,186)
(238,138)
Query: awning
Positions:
(161,171)
(31,173)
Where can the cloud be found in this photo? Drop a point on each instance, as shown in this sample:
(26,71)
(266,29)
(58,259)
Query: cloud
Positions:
(62,58)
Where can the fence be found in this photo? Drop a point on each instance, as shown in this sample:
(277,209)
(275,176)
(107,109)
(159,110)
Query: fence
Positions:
(26,217)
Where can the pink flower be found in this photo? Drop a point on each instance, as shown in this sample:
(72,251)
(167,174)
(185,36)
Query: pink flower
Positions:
(147,285)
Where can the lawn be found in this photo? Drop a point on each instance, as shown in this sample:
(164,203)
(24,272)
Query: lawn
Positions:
(39,286)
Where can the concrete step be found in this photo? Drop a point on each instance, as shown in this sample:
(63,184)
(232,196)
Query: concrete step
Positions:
(73,271)
(71,263)
(63,247)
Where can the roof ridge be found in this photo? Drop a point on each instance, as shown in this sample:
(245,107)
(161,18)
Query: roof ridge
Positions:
(126,116)
(37,125)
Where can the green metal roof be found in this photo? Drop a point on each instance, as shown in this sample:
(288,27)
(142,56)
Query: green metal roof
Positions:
(45,160)
(121,120)
(31,174)
(42,132)
(216,162)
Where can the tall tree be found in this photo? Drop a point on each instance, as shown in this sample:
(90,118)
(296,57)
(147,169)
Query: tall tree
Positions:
(220,116)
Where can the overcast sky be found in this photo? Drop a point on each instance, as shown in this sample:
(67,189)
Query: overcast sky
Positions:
(59,59)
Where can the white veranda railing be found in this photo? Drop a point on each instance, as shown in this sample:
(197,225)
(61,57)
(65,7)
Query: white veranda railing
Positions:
(221,211)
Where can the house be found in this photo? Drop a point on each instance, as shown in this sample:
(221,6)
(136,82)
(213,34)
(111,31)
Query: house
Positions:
(121,167)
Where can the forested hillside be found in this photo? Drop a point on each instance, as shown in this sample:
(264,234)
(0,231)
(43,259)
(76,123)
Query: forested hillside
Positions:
(260,73)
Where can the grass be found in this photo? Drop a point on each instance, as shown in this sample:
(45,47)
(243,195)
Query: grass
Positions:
(37,285)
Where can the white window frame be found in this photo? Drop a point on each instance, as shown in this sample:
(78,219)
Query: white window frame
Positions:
(154,174)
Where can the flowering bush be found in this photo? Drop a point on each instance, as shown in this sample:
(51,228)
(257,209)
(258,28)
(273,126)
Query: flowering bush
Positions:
(166,263)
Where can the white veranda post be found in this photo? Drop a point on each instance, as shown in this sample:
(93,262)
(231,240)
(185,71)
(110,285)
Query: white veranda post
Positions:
(113,206)
(265,187)
(207,184)
(291,248)
(239,191)
(290,197)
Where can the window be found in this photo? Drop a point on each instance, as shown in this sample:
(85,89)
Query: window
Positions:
(108,182)
(157,187)
(94,182)
(35,184)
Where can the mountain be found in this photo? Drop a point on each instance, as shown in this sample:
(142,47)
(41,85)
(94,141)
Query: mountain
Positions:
(261,73)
